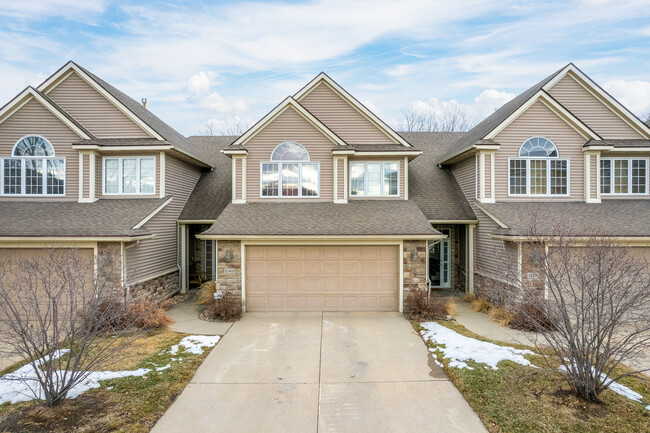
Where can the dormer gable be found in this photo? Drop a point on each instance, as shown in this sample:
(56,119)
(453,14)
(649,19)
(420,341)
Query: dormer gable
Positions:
(345,115)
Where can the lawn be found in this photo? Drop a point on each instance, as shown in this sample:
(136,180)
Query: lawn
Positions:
(130,404)
(516,398)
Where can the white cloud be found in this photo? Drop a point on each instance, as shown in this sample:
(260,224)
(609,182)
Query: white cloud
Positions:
(198,90)
(35,9)
(398,71)
(488,101)
(635,95)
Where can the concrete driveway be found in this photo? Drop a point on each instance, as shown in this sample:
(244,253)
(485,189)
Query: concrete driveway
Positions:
(320,372)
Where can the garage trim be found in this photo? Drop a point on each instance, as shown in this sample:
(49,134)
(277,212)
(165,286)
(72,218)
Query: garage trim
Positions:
(400,243)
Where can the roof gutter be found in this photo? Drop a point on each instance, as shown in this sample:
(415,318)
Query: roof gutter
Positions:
(580,240)
(471,150)
(320,237)
(54,239)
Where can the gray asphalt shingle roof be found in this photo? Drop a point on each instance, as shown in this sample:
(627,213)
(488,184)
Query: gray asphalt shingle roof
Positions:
(435,189)
(356,218)
(609,218)
(619,143)
(103,218)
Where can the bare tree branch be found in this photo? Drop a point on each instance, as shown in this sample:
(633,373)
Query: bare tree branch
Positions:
(450,118)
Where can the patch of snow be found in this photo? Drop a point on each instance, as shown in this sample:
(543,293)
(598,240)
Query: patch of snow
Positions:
(647,407)
(23,385)
(165,367)
(195,343)
(438,363)
(460,349)
(618,388)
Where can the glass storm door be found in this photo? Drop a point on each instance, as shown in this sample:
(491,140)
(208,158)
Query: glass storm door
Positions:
(440,261)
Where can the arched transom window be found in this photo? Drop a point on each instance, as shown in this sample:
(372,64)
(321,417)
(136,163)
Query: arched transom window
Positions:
(33,169)
(538,170)
(290,173)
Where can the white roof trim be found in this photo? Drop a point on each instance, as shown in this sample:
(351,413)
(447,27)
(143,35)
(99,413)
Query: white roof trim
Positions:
(491,216)
(554,106)
(47,86)
(152,214)
(27,95)
(281,108)
(323,77)
(616,107)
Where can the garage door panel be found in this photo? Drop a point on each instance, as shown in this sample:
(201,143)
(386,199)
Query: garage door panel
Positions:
(322,278)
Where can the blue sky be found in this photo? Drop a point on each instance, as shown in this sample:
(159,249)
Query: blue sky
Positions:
(228,63)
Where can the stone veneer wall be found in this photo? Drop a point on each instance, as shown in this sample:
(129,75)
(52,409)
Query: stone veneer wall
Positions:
(229,275)
(156,289)
(415,271)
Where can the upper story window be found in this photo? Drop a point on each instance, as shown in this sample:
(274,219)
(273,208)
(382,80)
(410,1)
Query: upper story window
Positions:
(129,175)
(374,179)
(538,171)
(33,169)
(624,176)
(290,173)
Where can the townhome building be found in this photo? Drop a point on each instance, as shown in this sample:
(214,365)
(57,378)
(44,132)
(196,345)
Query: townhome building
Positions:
(320,205)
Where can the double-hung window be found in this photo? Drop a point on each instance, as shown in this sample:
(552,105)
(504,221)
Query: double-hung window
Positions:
(129,175)
(538,171)
(624,176)
(374,179)
(290,173)
(33,169)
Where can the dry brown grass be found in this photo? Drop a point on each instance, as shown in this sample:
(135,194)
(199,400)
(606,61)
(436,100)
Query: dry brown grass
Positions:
(481,305)
(500,315)
(452,308)
(206,293)
(147,314)
(469,297)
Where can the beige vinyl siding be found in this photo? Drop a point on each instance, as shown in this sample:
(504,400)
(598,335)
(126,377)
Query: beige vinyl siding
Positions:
(378,159)
(539,120)
(465,174)
(341,117)
(590,110)
(289,126)
(492,256)
(341,178)
(238,178)
(92,110)
(99,171)
(155,256)
(33,118)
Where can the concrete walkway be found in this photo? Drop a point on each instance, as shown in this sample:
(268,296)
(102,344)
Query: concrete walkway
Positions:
(320,372)
(186,319)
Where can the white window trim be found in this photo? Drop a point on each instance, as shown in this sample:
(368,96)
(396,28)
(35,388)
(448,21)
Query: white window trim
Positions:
(629,176)
(23,186)
(381,175)
(299,163)
(119,175)
(548,178)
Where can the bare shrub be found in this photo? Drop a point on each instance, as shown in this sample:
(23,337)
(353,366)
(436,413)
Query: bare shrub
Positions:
(423,307)
(146,314)
(46,304)
(468,297)
(226,309)
(501,315)
(594,295)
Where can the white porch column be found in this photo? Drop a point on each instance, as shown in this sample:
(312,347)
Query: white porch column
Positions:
(184,261)
(470,258)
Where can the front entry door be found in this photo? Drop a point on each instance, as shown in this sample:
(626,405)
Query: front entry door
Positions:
(440,261)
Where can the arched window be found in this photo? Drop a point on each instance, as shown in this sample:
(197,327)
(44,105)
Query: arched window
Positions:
(290,174)
(538,170)
(33,169)
(289,151)
(538,147)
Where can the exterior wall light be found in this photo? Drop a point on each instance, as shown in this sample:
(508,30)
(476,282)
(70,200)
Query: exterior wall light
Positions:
(228,256)
(414,255)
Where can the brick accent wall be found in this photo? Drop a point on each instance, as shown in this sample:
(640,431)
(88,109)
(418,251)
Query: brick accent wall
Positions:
(229,273)
(415,271)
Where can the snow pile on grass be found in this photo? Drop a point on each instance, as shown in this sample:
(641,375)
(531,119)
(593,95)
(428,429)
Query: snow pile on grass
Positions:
(618,388)
(459,349)
(23,385)
(195,343)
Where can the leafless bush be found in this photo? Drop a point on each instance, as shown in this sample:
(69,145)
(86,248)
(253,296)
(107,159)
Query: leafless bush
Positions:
(423,307)
(592,292)
(46,303)
(226,309)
